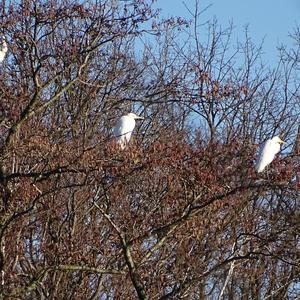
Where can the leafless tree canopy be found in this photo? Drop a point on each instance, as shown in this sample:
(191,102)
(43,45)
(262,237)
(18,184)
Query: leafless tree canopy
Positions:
(180,213)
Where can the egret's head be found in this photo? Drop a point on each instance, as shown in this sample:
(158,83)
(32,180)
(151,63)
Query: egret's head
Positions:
(134,116)
(278,140)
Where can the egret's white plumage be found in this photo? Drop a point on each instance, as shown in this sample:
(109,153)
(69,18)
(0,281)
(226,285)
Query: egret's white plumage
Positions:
(3,50)
(124,129)
(268,152)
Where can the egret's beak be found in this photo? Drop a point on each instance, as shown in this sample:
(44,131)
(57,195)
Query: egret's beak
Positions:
(139,118)
(282,142)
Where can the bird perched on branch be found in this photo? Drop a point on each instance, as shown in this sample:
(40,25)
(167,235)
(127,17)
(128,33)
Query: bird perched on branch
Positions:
(3,50)
(124,128)
(268,152)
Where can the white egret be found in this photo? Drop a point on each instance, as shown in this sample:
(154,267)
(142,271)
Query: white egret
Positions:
(268,152)
(124,128)
(3,50)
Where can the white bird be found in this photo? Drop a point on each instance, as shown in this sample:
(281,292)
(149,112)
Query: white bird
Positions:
(124,128)
(268,152)
(3,50)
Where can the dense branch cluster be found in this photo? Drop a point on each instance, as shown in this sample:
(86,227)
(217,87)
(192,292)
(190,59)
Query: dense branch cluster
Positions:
(180,213)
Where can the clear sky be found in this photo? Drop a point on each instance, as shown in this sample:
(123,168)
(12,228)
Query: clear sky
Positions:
(271,20)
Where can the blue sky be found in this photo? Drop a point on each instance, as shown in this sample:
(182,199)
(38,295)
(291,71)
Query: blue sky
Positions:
(271,20)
